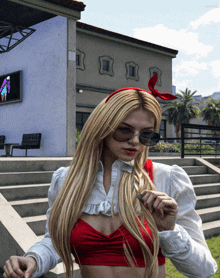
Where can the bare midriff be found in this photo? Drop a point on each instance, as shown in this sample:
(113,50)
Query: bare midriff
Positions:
(104,271)
(106,225)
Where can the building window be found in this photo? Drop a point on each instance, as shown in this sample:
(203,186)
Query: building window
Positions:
(106,65)
(80,56)
(154,70)
(163,128)
(77,60)
(81,118)
(132,71)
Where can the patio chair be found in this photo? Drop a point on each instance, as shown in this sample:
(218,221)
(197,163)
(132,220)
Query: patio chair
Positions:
(2,141)
(29,141)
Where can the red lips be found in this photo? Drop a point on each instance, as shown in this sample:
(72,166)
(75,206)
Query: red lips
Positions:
(131,151)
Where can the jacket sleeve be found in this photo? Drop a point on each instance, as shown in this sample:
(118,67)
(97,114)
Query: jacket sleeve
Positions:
(185,246)
(43,251)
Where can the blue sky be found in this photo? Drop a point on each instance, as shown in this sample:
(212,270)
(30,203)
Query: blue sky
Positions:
(191,26)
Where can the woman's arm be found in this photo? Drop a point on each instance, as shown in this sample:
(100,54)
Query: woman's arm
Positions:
(43,251)
(185,246)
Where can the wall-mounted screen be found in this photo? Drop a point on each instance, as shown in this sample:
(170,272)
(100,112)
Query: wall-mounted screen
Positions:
(10,88)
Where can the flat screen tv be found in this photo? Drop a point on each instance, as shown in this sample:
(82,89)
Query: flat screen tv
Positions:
(10,88)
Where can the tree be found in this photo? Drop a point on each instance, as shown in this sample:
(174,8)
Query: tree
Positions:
(181,110)
(211,112)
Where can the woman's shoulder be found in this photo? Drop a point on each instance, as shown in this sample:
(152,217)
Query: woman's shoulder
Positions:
(56,182)
(60,172)
(161,168)
(171,178)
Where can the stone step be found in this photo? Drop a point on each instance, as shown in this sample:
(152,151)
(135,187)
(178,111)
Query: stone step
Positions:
(30,207)
(22,178)
(214,160)
(195,170)
(206,201)
(209,214)
(209,188)
(211,229)
(37,223)
(174,161)
(28,164)
(28,191)
(202,179)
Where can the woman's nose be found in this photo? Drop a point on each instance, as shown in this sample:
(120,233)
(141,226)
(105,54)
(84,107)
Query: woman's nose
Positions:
(135,139)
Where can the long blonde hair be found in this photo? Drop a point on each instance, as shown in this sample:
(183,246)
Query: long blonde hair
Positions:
(73,196)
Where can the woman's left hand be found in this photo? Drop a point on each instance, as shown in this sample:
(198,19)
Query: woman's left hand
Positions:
(163,208)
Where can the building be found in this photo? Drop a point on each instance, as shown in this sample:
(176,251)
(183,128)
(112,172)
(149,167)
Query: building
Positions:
(107,61)
(67,68)
(215,96)
(46,60)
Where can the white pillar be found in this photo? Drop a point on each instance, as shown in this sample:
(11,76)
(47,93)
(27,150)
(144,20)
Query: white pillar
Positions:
(71,88)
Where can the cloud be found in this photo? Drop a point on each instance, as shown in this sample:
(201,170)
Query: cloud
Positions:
(211,16)
(189,68)
(181,85)
(181,40)
(215,65)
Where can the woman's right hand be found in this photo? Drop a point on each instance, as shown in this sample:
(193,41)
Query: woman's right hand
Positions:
(19,267)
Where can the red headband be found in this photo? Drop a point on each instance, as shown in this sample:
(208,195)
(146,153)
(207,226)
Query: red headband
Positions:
(151,83)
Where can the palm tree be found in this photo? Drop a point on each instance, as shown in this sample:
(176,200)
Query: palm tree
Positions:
(211,112)
(181,110)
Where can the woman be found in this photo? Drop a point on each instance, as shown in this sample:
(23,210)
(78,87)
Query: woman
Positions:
(94,210)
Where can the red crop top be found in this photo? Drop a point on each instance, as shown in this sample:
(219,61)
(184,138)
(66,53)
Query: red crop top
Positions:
(95,248)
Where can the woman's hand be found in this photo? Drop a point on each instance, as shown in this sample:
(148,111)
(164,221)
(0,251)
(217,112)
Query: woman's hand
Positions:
(163,208)
(19,267)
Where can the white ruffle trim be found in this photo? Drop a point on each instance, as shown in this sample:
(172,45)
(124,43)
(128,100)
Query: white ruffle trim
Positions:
(103,207)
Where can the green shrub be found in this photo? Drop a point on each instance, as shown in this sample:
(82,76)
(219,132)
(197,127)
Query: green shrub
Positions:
(166,147)
(191,146)
(77,134)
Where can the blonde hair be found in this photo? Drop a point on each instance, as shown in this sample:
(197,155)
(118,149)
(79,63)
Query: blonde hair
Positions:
(73,196)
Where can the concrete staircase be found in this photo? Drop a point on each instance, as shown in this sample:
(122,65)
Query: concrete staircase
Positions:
(24,183)
(205,178)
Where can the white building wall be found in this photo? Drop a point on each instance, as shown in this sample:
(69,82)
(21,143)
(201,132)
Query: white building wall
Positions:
(43,59)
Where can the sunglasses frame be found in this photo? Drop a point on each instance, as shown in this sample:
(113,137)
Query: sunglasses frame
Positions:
(139,135)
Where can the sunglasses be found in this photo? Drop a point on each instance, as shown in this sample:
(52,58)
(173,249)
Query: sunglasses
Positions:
(147,138)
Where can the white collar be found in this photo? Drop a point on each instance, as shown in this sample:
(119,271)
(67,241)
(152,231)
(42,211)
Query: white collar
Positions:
(121,164)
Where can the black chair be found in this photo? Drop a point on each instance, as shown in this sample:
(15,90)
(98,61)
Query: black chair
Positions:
(2,141)
(29,141)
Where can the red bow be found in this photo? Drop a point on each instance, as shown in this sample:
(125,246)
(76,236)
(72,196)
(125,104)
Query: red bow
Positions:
(151,83)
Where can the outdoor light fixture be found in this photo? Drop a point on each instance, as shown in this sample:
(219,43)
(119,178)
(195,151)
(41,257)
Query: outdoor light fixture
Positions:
(79,91)
(9,35)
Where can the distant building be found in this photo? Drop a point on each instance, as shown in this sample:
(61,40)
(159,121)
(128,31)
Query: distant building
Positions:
(198,97)
(173,90)
(215,96)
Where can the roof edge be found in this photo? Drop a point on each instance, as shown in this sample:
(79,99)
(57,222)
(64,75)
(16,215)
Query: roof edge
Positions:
(77,5)
(125,38)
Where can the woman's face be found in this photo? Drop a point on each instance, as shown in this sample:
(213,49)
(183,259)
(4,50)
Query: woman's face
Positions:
(138,121)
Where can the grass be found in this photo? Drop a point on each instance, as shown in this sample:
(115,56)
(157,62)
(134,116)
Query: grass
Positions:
(213,244)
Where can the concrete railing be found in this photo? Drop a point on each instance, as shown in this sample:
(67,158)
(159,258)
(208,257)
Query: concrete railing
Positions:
(17,237)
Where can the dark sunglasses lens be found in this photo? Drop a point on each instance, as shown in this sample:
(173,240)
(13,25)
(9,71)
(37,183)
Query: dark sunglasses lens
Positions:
(122,134)
(149,138)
